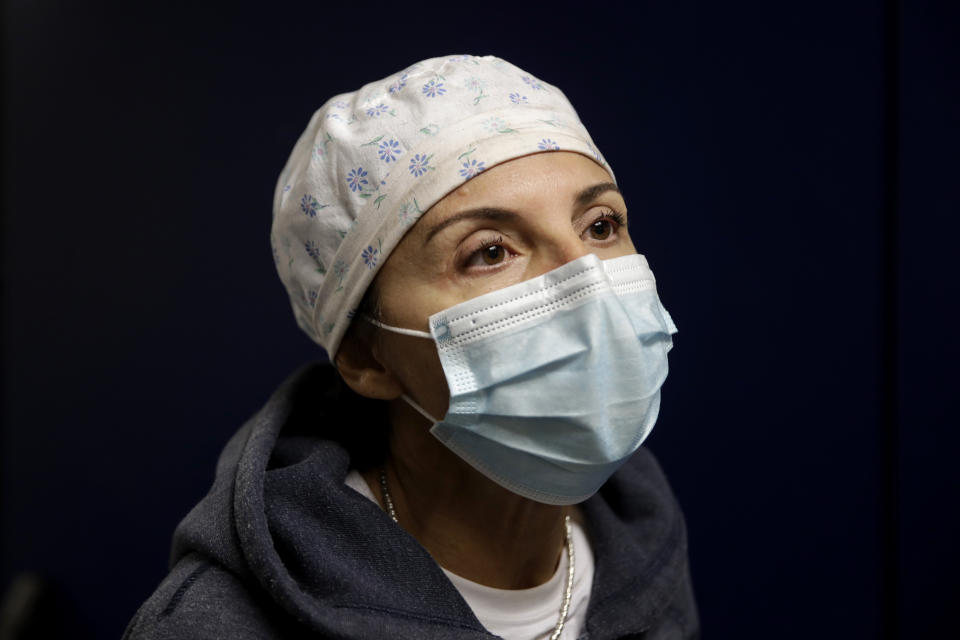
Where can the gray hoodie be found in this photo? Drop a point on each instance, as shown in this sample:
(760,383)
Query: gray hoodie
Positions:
(281,548)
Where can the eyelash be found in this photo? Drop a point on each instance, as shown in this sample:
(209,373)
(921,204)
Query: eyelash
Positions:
(612,215)
(484,244)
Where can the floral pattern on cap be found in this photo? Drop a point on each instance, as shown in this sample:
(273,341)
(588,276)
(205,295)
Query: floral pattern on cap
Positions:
(372,161)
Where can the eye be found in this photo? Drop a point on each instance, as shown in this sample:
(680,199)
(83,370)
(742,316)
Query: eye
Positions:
(493,254)
(604,227)
(601,229)
(490,253)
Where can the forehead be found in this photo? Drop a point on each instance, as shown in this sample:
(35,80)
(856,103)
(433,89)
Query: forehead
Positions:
(531,180)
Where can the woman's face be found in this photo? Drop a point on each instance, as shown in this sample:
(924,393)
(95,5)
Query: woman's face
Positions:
(513,222)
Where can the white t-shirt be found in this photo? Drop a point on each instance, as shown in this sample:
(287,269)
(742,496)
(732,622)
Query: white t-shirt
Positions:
(524,614)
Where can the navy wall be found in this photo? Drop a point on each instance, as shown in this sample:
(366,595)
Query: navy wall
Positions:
(791,173)
(928,348)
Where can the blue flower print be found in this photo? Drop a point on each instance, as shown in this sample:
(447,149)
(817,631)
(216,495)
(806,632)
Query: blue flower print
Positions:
(389,150)
(419,165)
(369,256)
(341,104)
(309,205)
(471,168)
(356,179)
(547,145)
(433,89)
(313,249)
(516,98)
(377,111)
(398,85)
(312,297)
(534,84)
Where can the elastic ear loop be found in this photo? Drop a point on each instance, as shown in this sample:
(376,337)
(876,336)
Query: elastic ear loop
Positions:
(410,401)
(406,332)
(416,334)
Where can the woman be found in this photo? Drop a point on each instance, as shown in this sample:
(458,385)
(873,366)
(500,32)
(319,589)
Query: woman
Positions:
(455,242)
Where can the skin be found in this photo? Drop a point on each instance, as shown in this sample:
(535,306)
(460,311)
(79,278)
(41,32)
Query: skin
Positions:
(469,524)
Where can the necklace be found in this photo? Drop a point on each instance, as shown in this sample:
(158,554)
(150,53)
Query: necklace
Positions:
(567,539)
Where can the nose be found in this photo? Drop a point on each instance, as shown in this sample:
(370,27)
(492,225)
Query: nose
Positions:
(556,248)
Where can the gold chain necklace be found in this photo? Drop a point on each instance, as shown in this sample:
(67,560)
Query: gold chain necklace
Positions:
(568,542)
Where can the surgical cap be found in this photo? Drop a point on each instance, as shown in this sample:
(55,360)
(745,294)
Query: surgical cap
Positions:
(371,162)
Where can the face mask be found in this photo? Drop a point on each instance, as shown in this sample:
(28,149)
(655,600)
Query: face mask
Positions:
(554,381)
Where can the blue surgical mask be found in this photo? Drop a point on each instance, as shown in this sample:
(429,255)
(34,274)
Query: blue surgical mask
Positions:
(554,381)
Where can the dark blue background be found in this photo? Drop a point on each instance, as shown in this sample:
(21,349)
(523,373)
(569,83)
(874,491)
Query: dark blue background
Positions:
(791,171)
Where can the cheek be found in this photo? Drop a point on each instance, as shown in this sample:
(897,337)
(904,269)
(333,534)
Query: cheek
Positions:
(416,364)
(625,247)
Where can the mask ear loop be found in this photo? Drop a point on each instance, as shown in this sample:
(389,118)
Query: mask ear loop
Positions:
(416,334)
(406,332)
(410,401)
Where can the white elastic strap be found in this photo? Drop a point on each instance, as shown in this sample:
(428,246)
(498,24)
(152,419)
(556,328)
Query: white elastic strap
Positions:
(419,409)
(407,332)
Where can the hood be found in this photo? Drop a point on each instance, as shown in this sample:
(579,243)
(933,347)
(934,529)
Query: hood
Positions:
(281,519)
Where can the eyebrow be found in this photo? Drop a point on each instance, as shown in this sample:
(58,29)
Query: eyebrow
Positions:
(485,213)
(590,194)
(581,199)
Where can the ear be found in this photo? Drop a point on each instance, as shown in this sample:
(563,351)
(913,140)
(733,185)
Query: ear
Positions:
(363,371)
